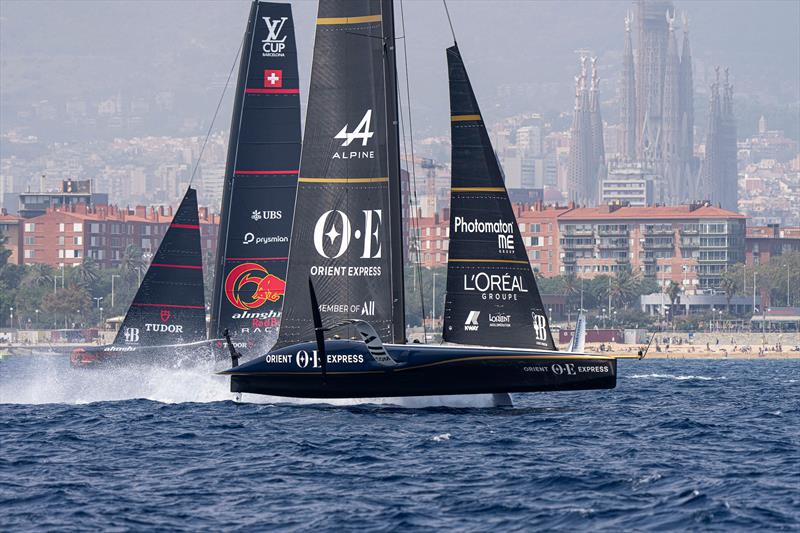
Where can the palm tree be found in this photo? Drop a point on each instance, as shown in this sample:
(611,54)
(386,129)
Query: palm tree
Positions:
(132,263)
(731,287)
(39,274)
(572,287)
(674,292)
(88,273)
(623,287)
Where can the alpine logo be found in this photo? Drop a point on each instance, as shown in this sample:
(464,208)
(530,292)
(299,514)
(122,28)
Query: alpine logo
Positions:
(274,44)
(361,132)
(273,79)
(131,335)
(471,323)
(539,327)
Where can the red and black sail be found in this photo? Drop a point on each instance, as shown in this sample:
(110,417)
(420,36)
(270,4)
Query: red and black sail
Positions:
(260,179)
(492,298)
(346,233)
(169,307)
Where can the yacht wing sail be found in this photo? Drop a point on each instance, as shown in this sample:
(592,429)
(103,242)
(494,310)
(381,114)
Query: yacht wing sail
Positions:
(169,307)
(492,298)
(342,231)
(260,180)
(578,342)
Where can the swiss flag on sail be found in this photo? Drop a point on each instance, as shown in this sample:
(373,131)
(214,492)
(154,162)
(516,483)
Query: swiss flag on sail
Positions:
(273,79)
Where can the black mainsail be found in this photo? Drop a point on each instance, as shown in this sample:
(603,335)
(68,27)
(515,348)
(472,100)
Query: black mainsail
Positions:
(260,179)
(169,307)
(492,298)
(345,235)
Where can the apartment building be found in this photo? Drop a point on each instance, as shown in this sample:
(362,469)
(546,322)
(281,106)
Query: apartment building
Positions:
(692,245)
(67,235)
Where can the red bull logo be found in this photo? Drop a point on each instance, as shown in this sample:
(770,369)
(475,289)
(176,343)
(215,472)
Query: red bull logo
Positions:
(249,286)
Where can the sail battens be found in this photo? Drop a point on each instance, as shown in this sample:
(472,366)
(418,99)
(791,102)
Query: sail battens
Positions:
(464,118)
(271,91)
(264,172)
(478,189)
(185,226)
(169,265)
(344,180)
(171,306)
(506,261)
(330,21)
(256,258)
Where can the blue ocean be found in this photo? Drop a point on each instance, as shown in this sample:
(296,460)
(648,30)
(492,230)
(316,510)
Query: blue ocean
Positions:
(678,445)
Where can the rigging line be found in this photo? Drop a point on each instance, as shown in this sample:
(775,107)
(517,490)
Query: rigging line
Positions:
(414,217)
(216,111)
(449,21)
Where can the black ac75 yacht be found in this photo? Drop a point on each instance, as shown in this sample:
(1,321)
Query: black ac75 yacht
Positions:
(166,322)
(343,326)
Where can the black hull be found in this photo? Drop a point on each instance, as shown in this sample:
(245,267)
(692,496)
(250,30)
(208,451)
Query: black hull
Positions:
(435,371)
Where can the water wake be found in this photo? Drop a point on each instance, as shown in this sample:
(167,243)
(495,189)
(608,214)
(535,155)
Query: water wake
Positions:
(50,380)
(43,380)
(671,376)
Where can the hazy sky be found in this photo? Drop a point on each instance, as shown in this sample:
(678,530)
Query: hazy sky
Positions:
(62,49)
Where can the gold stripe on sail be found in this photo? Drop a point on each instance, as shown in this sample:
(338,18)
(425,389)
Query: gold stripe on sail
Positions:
(343,180)
(513,261)
(328,21)
(478,189)
(463,118)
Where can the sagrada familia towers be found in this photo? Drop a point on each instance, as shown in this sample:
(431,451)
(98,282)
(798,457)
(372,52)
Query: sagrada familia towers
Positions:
(587,151)
(656,119)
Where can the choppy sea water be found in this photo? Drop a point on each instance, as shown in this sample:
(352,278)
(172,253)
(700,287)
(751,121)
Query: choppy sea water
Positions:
(697,445)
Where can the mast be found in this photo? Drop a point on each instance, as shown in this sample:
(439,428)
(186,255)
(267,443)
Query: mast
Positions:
(230,162)
(395,194)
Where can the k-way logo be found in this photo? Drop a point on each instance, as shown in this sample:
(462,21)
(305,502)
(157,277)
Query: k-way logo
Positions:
(362,132)
(471,323)
(274,45)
